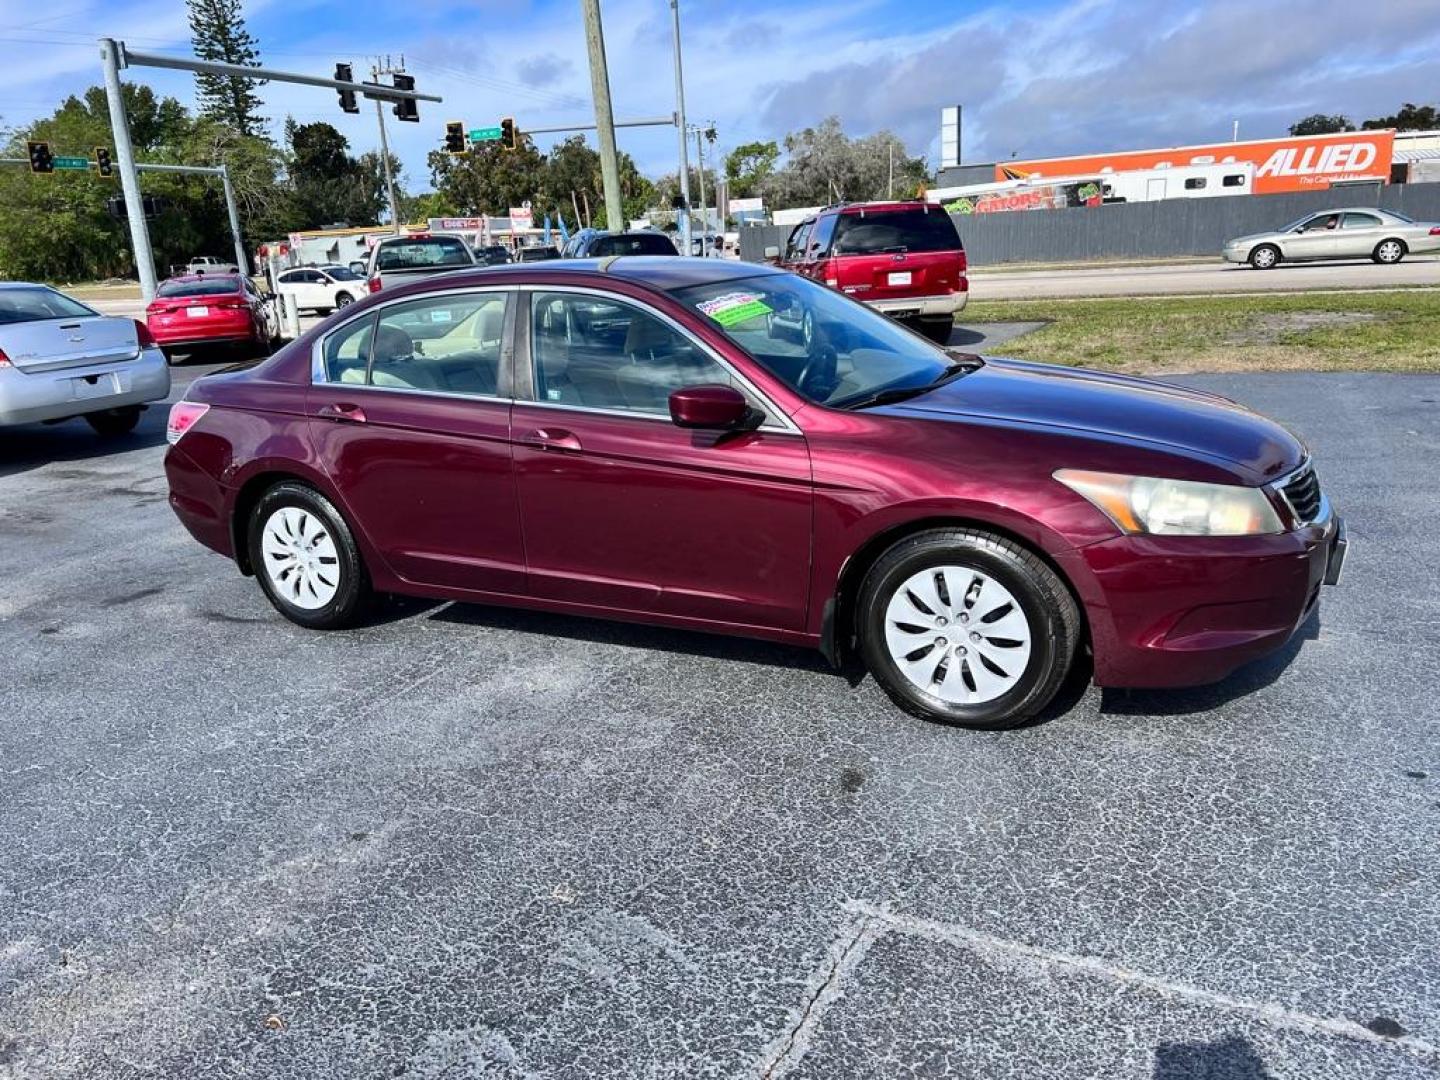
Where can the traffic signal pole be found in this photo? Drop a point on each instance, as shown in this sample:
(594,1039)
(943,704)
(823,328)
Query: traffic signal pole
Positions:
(684,137)
(129,177)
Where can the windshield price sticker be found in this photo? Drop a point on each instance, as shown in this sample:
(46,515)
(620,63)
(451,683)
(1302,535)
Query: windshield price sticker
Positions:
(734,308)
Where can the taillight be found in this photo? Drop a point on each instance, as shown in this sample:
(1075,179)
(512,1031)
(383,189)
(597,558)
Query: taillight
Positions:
(143,336)
(183,416)
(4,360)
(374,283)
(964,263)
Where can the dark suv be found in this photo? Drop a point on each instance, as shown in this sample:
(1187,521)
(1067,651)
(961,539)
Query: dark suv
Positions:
(598,244)
(902,258)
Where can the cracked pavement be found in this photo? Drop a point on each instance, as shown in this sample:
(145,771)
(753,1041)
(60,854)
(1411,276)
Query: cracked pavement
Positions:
(467,842)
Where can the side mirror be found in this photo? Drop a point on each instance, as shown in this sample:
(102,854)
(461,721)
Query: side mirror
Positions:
(358,266)
(713,406)
(772,252)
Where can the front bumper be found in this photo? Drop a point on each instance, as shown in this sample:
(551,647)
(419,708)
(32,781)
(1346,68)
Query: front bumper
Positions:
(1171,611)
(34,397)
(923,307)
(1236,255)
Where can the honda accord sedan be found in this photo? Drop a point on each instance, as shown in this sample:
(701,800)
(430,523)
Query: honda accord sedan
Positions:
(631,438)
(61,359)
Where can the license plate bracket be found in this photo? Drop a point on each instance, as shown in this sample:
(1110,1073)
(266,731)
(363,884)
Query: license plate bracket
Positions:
(901,277)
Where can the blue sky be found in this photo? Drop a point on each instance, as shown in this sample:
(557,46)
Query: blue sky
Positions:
(1035,79)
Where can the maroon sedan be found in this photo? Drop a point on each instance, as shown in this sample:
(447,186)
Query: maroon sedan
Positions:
(648,439)
(211,309)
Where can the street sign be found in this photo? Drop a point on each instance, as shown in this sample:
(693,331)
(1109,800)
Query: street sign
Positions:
(484,134)
(72,163)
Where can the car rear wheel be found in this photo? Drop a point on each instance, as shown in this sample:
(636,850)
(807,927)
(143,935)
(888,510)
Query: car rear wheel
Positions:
(1389,252)
(1265,256)
(113,422)
(963,627)
(306,559)
(938,330)
(343,299)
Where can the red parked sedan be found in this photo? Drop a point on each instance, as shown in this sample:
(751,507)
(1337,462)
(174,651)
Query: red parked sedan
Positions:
(211,309)
(638,439)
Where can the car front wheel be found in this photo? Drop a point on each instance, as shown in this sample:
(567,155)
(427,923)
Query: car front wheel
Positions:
(1264,257)
(306,559)
(1388,252)
(964,627)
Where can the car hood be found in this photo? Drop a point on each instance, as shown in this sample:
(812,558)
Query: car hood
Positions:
(1251,238)
(1120,408)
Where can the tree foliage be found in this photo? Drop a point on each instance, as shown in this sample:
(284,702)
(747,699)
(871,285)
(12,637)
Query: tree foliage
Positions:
(747,166)
(218,33)
(1321,124)
(1411,117)
(327,185)
(825,165)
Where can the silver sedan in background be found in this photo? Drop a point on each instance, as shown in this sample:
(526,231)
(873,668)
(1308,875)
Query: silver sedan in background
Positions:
(60,359)
(1351,232)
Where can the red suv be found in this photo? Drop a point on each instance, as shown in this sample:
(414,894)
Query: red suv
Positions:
(902,258)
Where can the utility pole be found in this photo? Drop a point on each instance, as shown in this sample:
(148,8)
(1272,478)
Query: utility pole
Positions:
(890,177)
(604,117)
(375,73)
(125,162)
(684,139)
(700,164)
(1235,131)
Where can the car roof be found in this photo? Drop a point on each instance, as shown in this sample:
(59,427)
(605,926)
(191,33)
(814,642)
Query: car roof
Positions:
(882,204)
(660,272)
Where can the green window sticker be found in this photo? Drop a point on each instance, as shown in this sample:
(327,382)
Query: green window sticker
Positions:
(735,308)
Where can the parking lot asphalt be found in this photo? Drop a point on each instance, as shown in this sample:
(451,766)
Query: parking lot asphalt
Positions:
(466,842)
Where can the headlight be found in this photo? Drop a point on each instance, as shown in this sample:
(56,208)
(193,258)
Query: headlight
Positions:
(1147,504)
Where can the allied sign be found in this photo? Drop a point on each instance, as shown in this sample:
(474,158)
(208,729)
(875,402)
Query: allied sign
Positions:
(79,163)
(1294,163)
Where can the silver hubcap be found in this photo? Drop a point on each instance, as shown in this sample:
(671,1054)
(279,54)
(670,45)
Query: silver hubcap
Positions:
(300,558)
(1390,251)
(1264,257)
(957,635)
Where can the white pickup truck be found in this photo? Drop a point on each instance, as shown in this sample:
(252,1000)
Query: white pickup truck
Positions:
(208,264)
(397,260)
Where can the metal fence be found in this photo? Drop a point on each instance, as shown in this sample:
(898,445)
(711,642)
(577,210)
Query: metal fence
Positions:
(1140,230)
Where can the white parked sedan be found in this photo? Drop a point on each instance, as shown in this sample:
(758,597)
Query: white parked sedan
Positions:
(60,359)
(1351,232)
(321,288)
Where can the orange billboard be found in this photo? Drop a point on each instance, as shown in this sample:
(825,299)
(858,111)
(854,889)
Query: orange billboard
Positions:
(1294,163)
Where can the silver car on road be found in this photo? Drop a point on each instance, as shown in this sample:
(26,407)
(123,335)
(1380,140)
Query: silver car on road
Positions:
(1351,232)
(60,359)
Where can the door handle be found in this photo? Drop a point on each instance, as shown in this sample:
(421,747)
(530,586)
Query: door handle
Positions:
(343,413)
(552,439)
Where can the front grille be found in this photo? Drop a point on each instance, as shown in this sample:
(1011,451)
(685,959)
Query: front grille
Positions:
(1302,492)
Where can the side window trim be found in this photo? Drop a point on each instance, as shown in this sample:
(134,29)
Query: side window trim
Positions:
(527,377)
(319,376)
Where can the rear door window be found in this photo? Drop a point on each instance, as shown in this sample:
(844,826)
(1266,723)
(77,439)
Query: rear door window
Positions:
(1360,221)
(882,231)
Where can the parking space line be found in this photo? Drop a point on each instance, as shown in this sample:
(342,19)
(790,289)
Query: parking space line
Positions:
(869,922)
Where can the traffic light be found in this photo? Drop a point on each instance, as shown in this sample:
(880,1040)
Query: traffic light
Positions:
(455,138)
(103,164)
(343,73)
(509,138)
(405,108)
(41,160)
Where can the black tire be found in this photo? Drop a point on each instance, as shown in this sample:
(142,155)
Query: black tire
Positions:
(1389,251)
(938,330)
(114,422)
(1044,600)
(1265,257)
(343,299)
(353,597)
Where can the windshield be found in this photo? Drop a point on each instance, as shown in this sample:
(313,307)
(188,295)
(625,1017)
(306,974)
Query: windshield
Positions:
(831,349)
(424,254)
(34,305)
(210,286)
(869,232)
(343,273)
